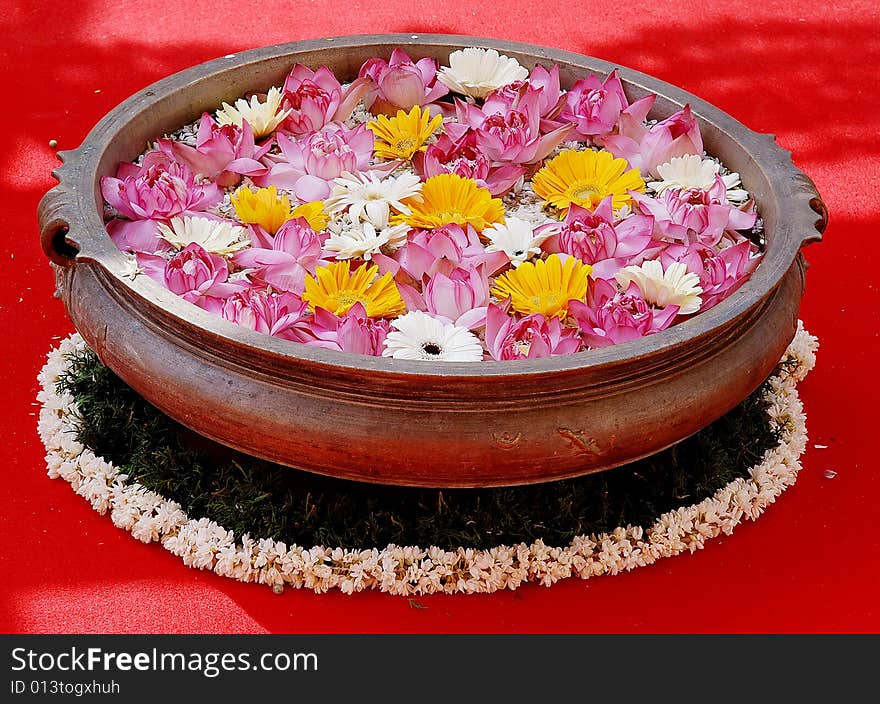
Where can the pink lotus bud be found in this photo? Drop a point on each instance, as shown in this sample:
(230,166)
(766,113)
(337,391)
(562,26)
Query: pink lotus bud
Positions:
(531,337)
(295,252)
(278,314)
(461,292)
(400,84)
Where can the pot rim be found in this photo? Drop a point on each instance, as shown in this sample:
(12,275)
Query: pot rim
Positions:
(73,232)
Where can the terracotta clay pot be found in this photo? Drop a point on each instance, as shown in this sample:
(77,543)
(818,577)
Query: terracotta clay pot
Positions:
(411,423)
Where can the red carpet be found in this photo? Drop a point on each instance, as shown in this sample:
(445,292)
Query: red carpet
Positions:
(807,74)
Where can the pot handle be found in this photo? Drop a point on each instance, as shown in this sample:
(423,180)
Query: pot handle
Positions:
(817,205)
(56,210)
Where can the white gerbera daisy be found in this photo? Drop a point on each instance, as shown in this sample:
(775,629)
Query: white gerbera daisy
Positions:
(218,236)
(417,335)
(674,287)
(516,238)
(352,238)
(477,72)
(692,171)
(370,197)
(263,117)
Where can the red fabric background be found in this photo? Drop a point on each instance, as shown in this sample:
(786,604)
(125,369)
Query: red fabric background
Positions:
(810,564)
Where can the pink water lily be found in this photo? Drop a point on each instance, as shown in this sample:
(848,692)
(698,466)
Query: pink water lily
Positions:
(279,314)
(316,98)
(295,251)
(445,249)
(460,298)
(696,215)
(222,154)
(308,165)
(721,273)
(457,152)
(354,332)
(511,132)
(595,238)
(610,316)
(543,83)
(194,274)
(646,148)
(594,106)
(399,84)
(531,337)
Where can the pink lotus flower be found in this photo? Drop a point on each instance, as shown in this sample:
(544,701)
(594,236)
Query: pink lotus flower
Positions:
(445,249)
(721,273)
(460,298)
(457,152)
(354,332)
(595,106)
(137,236)
(646,148)
(399,84)
(278,314)
(610,317)
(542,82)
(511,134)
(295,251)
(195,275)
(595,238)
(222,153)
(159,189)
(315,98)
(531,337)
(695,215)
(307,165)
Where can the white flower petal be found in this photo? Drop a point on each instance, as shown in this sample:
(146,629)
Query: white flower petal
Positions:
(419,336)
(477,72)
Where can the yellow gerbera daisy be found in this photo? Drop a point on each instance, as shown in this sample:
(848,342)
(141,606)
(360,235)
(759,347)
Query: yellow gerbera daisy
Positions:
(450,199)
(262,207)
(314,213)
(586,178)
(404,134)
(545,286)
(336,288)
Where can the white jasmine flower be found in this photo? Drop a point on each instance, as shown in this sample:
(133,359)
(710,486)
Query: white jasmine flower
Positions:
(217,236)
(477,72)
(417,335)
(370,197)
(674,287)
(263,117)
(516,238)
(350,239)
(692,171)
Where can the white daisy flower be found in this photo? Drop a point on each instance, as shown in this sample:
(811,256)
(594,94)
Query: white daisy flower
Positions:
(477,72)
(370,197)
(350,239)
(417,335)
(674,287)
(516,238)
(263,117)
(217,236)
(692,171)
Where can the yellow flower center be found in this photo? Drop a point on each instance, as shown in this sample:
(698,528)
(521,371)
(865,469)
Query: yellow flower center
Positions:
(587,193)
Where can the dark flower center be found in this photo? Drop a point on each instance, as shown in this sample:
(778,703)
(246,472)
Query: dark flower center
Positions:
(431,348)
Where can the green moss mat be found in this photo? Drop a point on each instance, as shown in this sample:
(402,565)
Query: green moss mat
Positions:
(263,499)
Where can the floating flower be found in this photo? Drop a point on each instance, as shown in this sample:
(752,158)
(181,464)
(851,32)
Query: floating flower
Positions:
(313,213)
(401,84)
(315,98)
(477,72)
(307,165)
(262,115)
(516,238)
(646,148)
(532,337)
(354,332)
(675,286)
(336,288)
(595,106)
(450,199)
(586,178)
(721,273)
(277,314)
(262,207)
(350,238)
(545,286)
(216,236)
(368,196)
(610,316)
(542,82)
(693,171)
(419,336)
(295,251)
(460,298)
(404,134)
